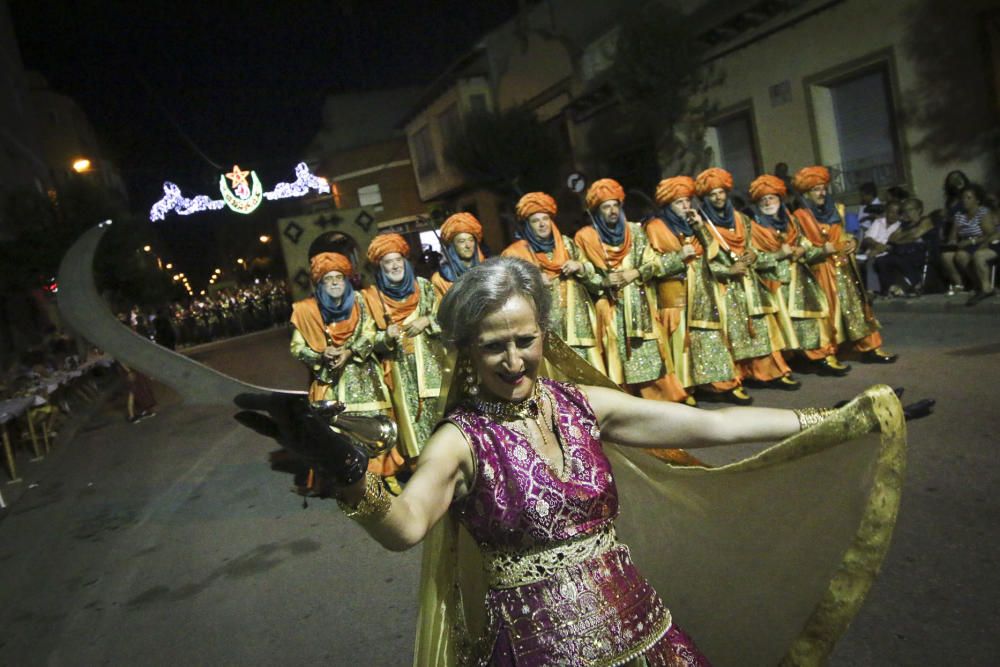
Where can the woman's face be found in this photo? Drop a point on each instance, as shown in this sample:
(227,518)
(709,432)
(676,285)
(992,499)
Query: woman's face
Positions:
(541,224)
(769,204)
(507,351)
(465,245)
(970,202)
(681,206)
(333,284)
(955,180)
(393,267)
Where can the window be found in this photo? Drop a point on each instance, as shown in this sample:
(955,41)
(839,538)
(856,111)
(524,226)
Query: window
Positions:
(370,195)
(863,118)
(732,142)
(423,152)
(450,124)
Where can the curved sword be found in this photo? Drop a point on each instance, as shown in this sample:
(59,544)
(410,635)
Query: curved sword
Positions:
(86,313)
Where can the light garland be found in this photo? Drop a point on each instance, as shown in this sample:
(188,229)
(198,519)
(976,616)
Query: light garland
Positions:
(242,197)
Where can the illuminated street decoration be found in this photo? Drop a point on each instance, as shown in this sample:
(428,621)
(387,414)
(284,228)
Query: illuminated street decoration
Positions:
(241,198)
(243,195)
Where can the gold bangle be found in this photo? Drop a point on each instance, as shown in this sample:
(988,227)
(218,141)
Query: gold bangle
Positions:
(375,503)
(811,416)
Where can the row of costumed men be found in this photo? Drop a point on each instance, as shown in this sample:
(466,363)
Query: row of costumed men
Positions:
(699,299)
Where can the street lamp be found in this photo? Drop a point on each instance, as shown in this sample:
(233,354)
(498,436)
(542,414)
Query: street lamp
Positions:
(147,248)
(264,238)
(169,266)
(80,165)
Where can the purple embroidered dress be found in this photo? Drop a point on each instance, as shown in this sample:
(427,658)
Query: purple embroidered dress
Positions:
(563,590)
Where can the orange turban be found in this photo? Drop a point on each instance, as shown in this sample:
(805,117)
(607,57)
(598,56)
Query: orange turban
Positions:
(461,223)
(713,178)
(809,177)
(384,244)
(535,202)
(767,184)
(325,262)
(671,189)
(602,190)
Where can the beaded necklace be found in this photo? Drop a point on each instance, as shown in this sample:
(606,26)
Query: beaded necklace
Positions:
(531,409)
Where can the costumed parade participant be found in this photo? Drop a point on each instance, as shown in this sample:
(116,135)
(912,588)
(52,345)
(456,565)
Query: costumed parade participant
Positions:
(567,272)
(537,574)
(821,221)
(784,257)
(635,351)
(408,338)
(688,297)
(461,235)
(751,327)
(333,336)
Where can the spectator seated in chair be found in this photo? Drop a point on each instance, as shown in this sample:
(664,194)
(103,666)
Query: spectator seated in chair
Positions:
(875,244)
(972,245)
(901,270)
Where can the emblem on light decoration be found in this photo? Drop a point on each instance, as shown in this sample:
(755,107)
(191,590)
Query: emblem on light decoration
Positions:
(242,194)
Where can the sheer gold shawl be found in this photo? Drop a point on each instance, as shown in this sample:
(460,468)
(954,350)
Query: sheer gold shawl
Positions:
(763,561)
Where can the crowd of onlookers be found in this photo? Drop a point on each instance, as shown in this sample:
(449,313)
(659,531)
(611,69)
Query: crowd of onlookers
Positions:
(908,249)
(227,313)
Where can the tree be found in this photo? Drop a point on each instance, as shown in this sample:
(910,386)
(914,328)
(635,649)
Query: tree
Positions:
(43,228)
(509,152)
(658,73)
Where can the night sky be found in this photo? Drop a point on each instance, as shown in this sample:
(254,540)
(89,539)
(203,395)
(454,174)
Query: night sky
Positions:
(245,81)
(183,90)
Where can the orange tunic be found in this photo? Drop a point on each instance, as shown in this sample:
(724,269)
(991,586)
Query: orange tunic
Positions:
(606,259)
(819,234)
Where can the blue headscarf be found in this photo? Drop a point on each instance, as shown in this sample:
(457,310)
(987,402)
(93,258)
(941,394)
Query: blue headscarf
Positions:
(452,267)
(397,291)
(613,236)
(677,224)
(778,221)
(330,311)
(827,213)
(537,244)
(725,219)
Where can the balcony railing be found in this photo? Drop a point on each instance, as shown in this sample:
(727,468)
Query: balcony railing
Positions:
(882,170)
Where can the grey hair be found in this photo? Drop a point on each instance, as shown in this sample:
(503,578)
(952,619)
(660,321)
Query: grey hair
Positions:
(483,289)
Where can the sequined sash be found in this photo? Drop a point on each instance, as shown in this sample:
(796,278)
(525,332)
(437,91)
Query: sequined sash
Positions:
(509,569)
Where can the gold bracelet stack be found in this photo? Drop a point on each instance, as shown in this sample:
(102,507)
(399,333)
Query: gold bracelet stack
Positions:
(812,416)
(374,505)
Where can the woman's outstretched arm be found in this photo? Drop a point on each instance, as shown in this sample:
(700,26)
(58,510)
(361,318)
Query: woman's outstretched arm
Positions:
(637,422)
(445,465)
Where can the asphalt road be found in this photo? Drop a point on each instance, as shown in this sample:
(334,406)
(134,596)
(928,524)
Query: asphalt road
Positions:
(170,542)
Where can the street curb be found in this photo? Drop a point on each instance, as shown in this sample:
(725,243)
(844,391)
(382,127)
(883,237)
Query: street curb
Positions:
(937,304)
(204,347)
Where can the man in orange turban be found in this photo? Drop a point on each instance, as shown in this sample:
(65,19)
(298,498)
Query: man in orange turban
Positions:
(751,327)
(632,338)
(407,339)
(821,221)
(333,336)
(564,269)
(461,235)
(784,259)
(687,297)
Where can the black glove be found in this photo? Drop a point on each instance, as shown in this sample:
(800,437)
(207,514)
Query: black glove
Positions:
(304,434)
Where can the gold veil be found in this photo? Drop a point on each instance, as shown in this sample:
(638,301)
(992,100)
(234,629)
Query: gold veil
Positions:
(763,561)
